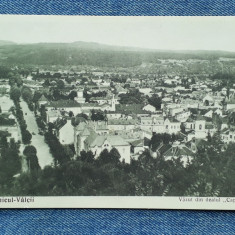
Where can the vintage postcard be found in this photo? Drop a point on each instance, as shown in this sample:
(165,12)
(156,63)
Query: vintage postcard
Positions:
(117,112)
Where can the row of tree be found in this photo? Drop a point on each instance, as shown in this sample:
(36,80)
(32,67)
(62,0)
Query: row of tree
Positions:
(211,173)
(17,111)
(10,163)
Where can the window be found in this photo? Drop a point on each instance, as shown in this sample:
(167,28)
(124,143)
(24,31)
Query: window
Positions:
(200,126)
(231,136)
(191,126)
(166,126)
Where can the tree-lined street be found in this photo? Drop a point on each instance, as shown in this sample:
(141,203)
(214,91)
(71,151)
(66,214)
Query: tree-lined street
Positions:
(43,151)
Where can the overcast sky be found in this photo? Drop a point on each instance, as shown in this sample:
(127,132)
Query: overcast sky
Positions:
(178,33)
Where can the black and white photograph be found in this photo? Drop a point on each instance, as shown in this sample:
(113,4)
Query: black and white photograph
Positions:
(117,108)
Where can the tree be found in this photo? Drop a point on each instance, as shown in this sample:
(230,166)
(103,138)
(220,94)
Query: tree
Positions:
(207,103)
(231,118)
(4,71)
(15,93)
(72,95)
(132,97)
(9,163)
(27,94)
(155,101)
(217,121)
(46,83)
(26,136)
(104,157)
(157,139)
(114,156)
(209,139)
(43,113)
(30,150)
(60,84)
(56,148)
(97,115)
(56,94)
(36,96)
(71,114)
(51,126)
(87,156)
(182,128)
(31,157)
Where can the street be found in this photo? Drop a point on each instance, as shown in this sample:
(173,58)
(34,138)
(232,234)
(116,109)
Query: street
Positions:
(43,152)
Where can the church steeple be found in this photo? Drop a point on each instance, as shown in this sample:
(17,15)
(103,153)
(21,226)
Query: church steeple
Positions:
(113,104)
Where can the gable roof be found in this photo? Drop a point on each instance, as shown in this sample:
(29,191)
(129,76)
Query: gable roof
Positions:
(178,151)
(122,122)
(137,143)
(63,104)
(130,108)
(99,140)
(43,98)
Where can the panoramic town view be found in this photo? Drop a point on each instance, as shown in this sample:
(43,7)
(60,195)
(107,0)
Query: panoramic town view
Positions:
(86,118)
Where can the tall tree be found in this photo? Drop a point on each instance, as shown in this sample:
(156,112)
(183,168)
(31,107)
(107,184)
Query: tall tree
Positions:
(60,84)
(15,93)
(155,101)
(31,156)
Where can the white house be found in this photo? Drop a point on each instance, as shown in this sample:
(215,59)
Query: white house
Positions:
(121,124)
(80,98)
(98,143)
(66,133)
(65,105)
(149,108)
(172,126)
(228,136)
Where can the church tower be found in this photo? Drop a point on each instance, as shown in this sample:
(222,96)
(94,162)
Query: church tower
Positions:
(80,98)
(113,104)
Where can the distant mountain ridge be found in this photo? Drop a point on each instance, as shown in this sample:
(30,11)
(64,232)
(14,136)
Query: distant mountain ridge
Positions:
(5,42)
(95,54)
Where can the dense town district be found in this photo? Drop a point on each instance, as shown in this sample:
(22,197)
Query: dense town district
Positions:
(165,128)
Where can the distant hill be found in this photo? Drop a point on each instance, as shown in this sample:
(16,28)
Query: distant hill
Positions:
(4,43)
(90,53)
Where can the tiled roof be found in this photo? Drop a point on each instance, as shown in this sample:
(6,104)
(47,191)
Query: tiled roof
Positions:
(81,126)
(137,143)
(63,103)
(43,98)
(178,151)
(89,105)
(163,148)
(91,138)
(172,119)
(53,113)
(114,140)
(130,108)
(122,122)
